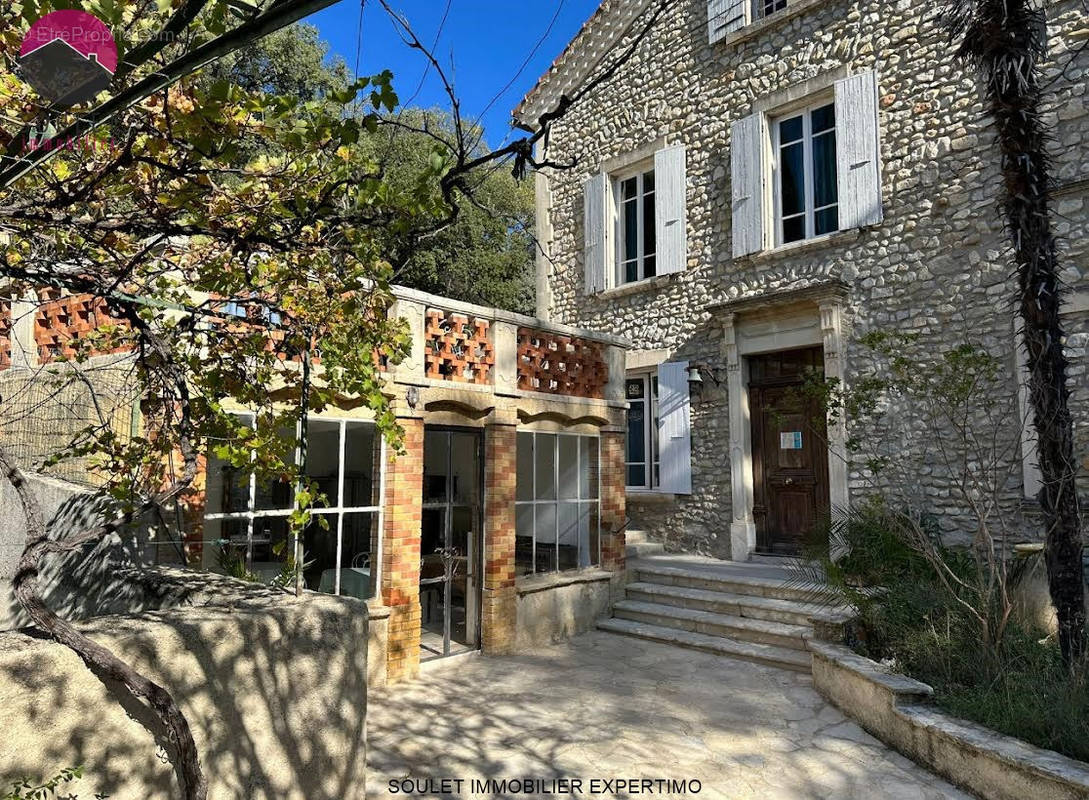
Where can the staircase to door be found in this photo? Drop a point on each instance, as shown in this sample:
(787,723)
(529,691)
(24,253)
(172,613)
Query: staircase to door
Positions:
(754,612)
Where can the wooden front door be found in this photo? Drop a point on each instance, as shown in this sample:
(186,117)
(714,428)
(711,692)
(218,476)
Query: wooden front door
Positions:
(789,447)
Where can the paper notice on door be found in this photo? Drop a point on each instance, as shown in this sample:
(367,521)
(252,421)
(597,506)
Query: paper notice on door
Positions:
(790,440)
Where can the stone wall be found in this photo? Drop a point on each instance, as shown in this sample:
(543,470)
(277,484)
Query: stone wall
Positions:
(274,688)
(936,267)
(552,608)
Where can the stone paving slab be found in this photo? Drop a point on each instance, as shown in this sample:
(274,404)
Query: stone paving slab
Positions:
(605,707)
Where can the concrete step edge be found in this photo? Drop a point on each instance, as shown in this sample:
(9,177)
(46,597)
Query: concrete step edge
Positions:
(653,572)
(802,612)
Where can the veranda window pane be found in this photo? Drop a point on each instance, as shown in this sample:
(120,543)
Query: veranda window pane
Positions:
(567,547)
(545,530)
(277,494)
(524,489)
(588,534)
(320,553)
(272,547)
(360,460)
(323,458)
(588,468)
(569,467)
(523,546)
(225,546)
(825,189)
(545,456)
(360,537)
(436,447)
(792,179)
(463,467)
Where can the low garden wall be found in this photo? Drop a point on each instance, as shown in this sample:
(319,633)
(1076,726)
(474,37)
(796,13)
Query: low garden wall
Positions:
(552,608)
(896,709)
(274,687)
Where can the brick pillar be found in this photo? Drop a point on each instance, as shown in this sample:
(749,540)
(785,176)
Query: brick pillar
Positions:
(401,553)
(613,503)
(498,599)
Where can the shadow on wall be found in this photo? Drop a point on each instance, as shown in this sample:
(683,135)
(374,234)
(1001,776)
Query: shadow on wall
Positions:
(101,578)
(274,687)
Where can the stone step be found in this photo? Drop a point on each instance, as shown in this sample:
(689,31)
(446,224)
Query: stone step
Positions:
(743,629)
(757,586)
(634,536)
(749,651)
(643,549)
(772,609)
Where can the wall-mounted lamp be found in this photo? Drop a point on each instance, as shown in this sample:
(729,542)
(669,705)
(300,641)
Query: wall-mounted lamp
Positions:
(698,375)
(412,396)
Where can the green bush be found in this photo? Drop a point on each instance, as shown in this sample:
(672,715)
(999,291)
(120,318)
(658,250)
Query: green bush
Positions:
(914,622)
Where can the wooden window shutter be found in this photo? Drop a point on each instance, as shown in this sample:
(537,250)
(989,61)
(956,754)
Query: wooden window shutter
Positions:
(747,179)
(596,220)
(858,151)
(726,16)
(671,209)
(674,428)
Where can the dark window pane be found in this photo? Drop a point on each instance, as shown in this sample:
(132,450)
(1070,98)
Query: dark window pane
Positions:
(827,220)
(631,271)
(588,477)
(569,467)
(271,546)
(525,466)
(436,455)
(360,537)
(631,231)
(588,534)
(790,130)
(637,450)
(635,388)
(323,458)
(637,475)
(545,456)
(629,189)
(825,189)
(320,553)
(792,180)
(463,468)
(650,267)
(360,489)
(793,229)
(824,118)
(648,182)
(523,543)
(649,240)
(567,547)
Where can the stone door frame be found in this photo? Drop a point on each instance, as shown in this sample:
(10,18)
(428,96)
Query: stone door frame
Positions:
(766,324)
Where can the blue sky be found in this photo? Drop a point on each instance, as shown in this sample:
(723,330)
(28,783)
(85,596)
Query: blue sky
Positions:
(487,39)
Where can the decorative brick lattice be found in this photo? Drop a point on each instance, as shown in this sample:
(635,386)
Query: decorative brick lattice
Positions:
(62,322)
(458,347)
(555,364)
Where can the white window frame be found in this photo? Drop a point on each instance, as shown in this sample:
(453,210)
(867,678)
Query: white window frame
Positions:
(653,463)
(638,171)
(557,501)
(250,515)
(758,11)
(773,121)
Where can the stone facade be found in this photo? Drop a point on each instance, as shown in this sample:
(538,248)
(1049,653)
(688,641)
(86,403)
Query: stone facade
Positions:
(937,266)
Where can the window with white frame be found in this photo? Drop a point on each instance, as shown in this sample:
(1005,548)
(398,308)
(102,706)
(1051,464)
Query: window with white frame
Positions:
(765,8)
(807,194)
(636,242)
(642,461)
(558,503)
(246,526)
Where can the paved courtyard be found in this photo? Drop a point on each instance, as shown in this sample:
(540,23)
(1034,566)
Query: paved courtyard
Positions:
(604,707)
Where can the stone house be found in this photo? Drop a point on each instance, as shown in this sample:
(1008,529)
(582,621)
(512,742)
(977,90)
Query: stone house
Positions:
(759,185)
(499,527)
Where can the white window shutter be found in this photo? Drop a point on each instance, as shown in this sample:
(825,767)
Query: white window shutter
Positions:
(671,209)
(596,222)
(747,179)
(858,151)
(674,428)
(726,16)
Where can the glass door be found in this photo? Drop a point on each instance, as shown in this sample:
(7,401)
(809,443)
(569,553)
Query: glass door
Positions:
(450,542)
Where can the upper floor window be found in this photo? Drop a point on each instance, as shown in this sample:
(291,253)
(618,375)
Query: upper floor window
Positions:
(765,8)
(635,227)
(800,174)
(807,202)
(635,221)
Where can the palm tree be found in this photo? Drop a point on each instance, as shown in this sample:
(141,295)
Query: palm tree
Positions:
(1005,40)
